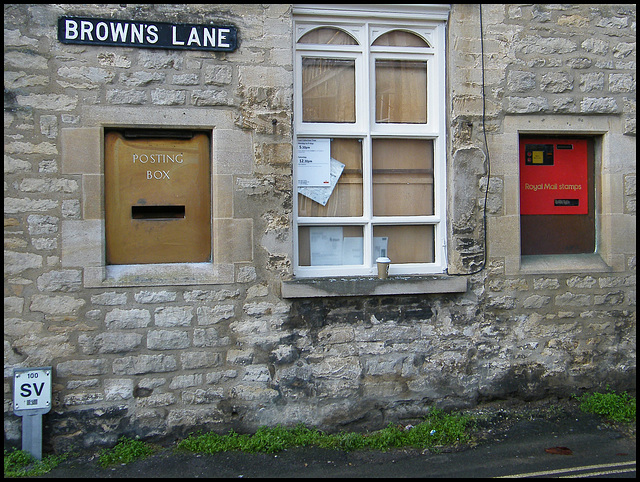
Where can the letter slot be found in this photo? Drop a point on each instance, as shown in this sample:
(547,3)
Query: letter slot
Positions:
(157,212)
(157,196)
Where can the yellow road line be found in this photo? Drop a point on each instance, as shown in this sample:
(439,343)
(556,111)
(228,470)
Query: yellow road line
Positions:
(594,474)
(571,469)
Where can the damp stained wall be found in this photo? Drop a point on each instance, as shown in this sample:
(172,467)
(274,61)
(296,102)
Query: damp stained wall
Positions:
(240,343)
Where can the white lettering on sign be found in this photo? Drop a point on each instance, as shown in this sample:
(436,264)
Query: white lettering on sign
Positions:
(174,40)
(209,37)
(70,29)
(193,37)
(102,31)
(147,34)
(158,175)
(222,37)
(111,32)
(158,158)
(32,389)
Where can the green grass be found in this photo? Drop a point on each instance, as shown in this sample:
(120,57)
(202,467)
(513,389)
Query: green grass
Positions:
(125,451)
(613,406)
(18,463)
(439,429)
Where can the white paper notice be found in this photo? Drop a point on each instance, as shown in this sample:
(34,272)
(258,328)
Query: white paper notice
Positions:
(380,247)
(321,195)
(314,166)
(325,244)
(352,252)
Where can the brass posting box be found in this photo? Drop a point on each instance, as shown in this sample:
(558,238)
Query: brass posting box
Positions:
(157,197)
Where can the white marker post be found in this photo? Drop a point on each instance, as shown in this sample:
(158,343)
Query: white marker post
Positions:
(31,400)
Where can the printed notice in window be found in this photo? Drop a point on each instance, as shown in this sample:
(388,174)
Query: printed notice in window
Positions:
(322,194)
(314,162)
(325,243)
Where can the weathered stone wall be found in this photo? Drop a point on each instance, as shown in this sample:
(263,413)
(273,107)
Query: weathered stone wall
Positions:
(549,69)
(541,61)
(160,360)
(145,359)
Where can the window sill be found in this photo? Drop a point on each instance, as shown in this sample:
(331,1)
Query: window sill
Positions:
(563,263)
(369,286)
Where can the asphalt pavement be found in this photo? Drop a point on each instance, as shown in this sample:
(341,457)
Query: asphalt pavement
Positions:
(511,441)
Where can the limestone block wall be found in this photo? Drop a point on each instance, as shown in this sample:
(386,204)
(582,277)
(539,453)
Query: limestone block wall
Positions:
(553,70)
(142,339)
(559,69)
(159,351)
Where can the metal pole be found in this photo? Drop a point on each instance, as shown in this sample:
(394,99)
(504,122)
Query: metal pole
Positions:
(32,435)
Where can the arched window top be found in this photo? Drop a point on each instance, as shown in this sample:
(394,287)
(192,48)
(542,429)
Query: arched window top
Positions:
(400,38)
(327,36)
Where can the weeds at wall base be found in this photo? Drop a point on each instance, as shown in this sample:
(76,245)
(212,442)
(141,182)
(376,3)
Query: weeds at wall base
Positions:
(125,451)
(439,429)
(18,463)
(610,405)
(436,433)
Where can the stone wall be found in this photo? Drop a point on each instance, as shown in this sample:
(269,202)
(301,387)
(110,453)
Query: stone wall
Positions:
(225,349)
(544,63)
(549,69)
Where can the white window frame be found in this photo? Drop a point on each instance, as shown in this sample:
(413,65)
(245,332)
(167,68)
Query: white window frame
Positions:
(365,24)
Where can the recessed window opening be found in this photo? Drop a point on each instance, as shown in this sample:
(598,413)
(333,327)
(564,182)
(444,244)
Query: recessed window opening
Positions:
(157,186)
(370,147)
(557,208)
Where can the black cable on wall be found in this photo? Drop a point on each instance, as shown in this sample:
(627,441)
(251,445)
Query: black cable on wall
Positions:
(488,159)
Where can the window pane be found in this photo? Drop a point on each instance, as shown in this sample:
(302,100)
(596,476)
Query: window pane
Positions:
(407,244)
(330,245)
(327,36)
(402,177)
(400,38)
(346,198)
(401,91)
(328,90)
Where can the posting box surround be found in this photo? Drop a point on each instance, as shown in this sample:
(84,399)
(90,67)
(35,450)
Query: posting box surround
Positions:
(83,240)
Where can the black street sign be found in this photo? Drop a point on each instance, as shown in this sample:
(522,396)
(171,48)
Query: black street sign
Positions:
(160,35)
